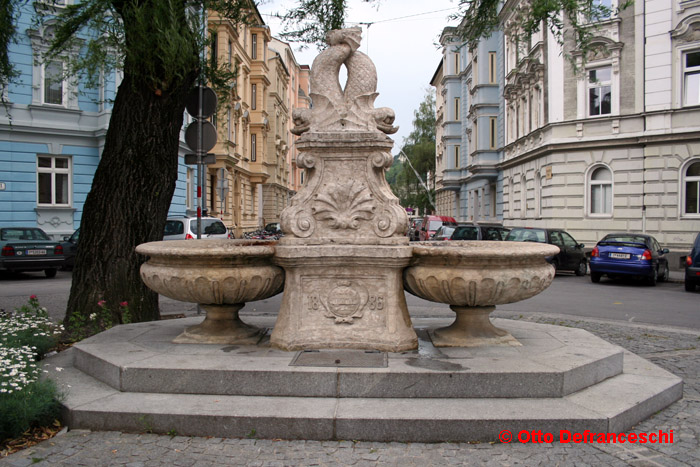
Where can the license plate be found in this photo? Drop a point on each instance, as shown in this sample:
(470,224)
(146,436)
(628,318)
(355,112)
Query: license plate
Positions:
(36,252)
(619,255)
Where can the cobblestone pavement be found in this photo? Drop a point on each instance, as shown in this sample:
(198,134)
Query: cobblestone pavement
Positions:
(676,350)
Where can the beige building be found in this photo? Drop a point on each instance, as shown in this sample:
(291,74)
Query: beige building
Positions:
(234,184)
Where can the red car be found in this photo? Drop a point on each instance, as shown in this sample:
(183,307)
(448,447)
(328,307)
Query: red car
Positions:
(431,224)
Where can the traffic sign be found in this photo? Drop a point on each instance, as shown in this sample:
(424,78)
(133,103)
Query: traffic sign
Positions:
(208,136)
(209,102)
(191,159)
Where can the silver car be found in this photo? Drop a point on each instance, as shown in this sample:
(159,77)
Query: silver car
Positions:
(185,228)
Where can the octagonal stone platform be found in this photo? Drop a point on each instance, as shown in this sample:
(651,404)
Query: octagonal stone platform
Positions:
(133,378)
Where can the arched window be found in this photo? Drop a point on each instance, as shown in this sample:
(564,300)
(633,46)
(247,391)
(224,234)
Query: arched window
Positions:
(691,188)
(600,194)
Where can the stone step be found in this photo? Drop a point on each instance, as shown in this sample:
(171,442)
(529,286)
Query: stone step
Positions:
(612,405)
(552,362)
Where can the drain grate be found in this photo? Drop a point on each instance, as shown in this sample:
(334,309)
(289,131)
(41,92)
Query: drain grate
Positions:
(341,358)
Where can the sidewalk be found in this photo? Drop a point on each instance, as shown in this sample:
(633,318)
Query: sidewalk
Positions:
(676,350)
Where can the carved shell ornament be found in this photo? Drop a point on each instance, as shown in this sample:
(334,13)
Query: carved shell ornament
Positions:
(344,205)
(338,109)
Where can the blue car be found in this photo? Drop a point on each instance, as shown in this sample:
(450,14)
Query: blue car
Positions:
(629,255)
(692,266)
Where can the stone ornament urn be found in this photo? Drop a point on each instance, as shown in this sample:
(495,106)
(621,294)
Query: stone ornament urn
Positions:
(220,275)
(474,276)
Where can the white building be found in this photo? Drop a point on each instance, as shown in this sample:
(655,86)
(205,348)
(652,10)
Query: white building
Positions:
(614,146)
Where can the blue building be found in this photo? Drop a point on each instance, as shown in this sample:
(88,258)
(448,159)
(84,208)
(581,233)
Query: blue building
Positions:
(469,185)
(52,132)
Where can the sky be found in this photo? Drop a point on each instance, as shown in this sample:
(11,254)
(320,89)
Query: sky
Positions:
(401,41)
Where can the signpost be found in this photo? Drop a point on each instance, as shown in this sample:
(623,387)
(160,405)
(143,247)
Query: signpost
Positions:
(200,136)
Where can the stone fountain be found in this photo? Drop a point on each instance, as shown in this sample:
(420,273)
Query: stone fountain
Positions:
(345,255)
(343,265)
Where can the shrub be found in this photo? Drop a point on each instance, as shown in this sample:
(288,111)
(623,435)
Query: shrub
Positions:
(25,400)
(29,325)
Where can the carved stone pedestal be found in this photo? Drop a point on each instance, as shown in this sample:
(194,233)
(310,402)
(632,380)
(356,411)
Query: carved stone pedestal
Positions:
(472,328)
(344,297)
(221,326)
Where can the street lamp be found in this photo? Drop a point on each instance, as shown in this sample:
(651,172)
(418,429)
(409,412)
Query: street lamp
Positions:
(404,158)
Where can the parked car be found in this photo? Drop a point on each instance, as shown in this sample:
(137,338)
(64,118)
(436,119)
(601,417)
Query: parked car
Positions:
(29,249)
(571,256)
(480,232)
(70,249)
(629,255)
(692,266)
(274,228)
(443,233)
(414,228)
(185,228)
(431,224)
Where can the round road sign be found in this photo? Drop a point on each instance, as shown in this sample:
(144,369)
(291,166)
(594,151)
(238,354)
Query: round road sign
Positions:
(208,102)
(208,136)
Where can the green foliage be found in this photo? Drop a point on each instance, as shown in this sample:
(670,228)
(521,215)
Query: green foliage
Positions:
(37,404)
(81,326)
(312,19)
(566,19)
(26,400)
(8,13)
(29,326)
(419,148)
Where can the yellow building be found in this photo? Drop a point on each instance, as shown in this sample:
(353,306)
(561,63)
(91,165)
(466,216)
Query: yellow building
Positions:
(234,182)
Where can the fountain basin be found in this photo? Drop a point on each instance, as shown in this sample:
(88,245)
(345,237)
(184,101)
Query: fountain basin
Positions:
(220,275)
(474,276)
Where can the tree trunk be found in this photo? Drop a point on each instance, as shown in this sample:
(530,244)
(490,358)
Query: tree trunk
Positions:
(129,200)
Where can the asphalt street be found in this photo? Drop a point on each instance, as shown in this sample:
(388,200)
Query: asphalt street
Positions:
(569,296)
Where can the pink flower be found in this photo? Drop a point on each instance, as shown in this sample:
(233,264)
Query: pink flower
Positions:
(102,303)
(124,304)
(33,297)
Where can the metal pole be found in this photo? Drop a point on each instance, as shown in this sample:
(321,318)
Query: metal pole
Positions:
(200,132)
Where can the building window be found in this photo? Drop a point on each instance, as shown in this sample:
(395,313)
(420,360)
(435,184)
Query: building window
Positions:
(475,71)
(493,135)
(253,147)
(456,157)
(230,53)
(254,46)
(691,78)
(253,96)
(53,83)
(215,49)
(691,189)
(53,181)
(601,185)
(492,68)
(457,105)
(603,10)
(599,91)
(457,70)
(523,197)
